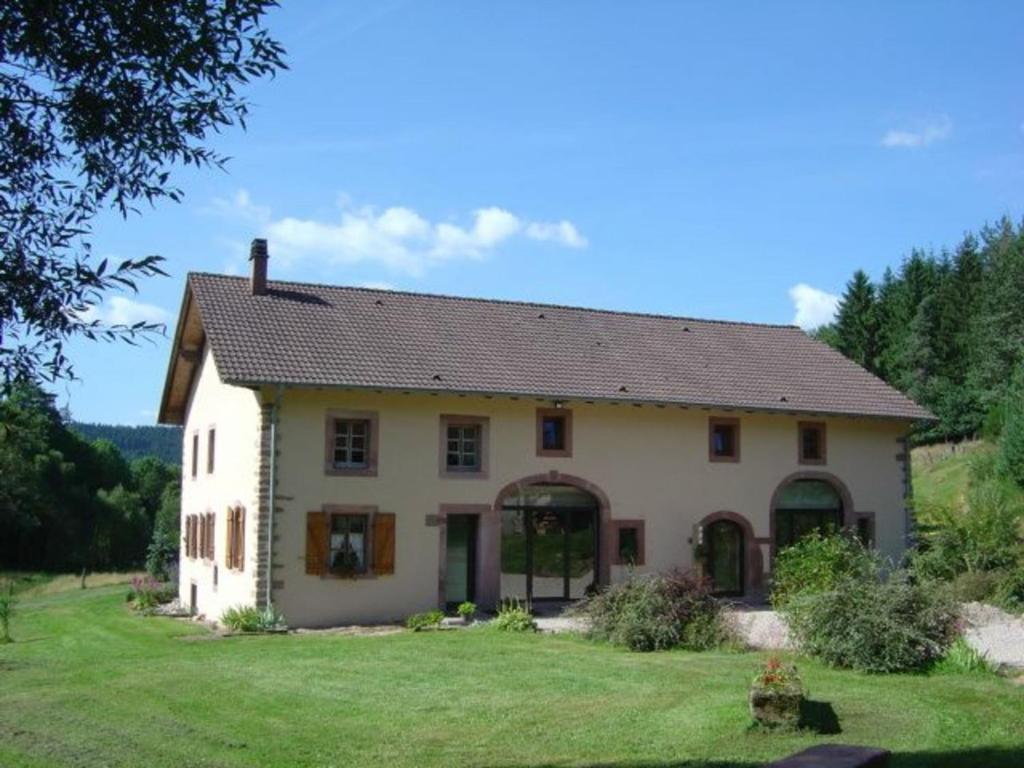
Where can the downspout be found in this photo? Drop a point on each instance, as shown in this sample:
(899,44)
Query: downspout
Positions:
(272,490)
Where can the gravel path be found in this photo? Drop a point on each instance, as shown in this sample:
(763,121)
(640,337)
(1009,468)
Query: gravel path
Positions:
(996,634)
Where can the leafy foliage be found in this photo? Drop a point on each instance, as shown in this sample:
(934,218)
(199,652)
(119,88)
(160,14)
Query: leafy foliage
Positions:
(467,610)
(654,612)
(946,328)
(513,616)
(137,442)
(817,564)
(147,593)
(67,504)
(962,659)
(426,620)
(97,104)
(874,626)
(249,618)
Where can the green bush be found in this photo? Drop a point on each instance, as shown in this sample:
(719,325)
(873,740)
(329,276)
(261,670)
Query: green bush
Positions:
(427,620)
(249,618)
(874,626)
(817,564)
(962,659)
(514,617)
(1011,441)
(1009,592)
(466,610)
(7,604)
(975,586)
(146,593)
(655,612)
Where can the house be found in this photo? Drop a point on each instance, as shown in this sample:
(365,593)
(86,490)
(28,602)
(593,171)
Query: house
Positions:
(424,450)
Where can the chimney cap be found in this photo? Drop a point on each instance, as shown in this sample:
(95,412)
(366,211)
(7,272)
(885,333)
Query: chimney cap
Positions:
(258,249)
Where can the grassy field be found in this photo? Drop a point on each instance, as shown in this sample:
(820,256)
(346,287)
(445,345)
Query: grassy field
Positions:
(87,683)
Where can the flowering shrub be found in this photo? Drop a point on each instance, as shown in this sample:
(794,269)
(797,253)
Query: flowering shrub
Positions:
(778,676)
(776,696)
(146,593)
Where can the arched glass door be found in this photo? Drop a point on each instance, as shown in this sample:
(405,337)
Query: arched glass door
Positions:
(725,557)
(806,506)
(549,543)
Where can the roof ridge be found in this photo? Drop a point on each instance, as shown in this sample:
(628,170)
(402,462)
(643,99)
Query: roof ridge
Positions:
(507,302)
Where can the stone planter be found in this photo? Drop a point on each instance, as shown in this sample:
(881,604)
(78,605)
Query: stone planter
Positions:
(776,707)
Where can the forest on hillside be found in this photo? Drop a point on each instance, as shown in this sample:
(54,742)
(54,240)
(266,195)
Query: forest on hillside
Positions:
(135,442)
(946,328)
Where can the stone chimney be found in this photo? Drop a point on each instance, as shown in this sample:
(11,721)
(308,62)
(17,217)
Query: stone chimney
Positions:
(258,256)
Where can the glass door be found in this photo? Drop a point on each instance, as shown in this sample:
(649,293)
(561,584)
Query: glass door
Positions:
(460,559)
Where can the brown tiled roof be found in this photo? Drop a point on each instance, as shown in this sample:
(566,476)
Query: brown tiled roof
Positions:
(321,335)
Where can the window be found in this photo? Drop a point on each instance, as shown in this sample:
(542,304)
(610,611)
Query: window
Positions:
(866,528)
(195,454)
(554,432)
(210,442)
(235,555)
(347,552)
(724,439)
(804,507)
(207,526)
(811,436)
(629,542)
(350,541)
(190,536)
(464,446)
(351,445)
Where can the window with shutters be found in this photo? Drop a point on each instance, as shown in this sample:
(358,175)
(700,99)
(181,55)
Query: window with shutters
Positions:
(234,557)
(191,536)
(350,541)
(464,446)
(351,443)
(211,527)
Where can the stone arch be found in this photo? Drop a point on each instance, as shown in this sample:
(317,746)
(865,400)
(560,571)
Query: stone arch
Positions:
(849,516)
(753,570)
(603,506)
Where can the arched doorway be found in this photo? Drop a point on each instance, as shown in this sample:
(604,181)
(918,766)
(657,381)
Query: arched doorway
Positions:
(726,552)
(549,542)
(803,506)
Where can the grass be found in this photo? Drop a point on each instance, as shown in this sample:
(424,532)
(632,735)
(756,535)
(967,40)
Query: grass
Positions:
(88,683)
(941,476)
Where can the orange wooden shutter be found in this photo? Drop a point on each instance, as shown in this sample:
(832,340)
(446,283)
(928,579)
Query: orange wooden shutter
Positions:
(316,543)
(240,539)
(229,550)
(384,543)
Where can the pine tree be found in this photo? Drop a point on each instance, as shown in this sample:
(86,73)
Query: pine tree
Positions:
(857,322)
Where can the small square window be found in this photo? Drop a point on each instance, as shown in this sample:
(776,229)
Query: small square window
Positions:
(554,432)
(351,443)
(348,543)
(812,442)
(629,545)
(724,436)
(463,448)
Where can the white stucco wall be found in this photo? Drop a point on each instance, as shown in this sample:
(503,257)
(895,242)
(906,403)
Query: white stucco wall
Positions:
(234,413)
(652,463)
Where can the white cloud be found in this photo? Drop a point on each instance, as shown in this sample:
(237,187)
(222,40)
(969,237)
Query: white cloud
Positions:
(925,134)
(120,310)
(380,285)
(564,232)
(398,238)
(814,307)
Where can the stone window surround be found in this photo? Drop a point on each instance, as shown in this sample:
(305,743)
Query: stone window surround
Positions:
(370,470)
(641,541)
(820,426)
(723,421)
(452,420)
(566,415)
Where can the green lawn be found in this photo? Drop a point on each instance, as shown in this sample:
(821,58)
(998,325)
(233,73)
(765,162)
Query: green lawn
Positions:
(87,683)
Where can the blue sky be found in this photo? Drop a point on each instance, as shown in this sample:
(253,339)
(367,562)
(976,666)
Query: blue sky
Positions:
(733,161)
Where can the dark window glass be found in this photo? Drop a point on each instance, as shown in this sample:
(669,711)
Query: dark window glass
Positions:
(811,443)
(351,443)
(463,447)
(723,440)
(629,545)
(211,439)
(864,531)
(553,433)
(195,455)
(348,543)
